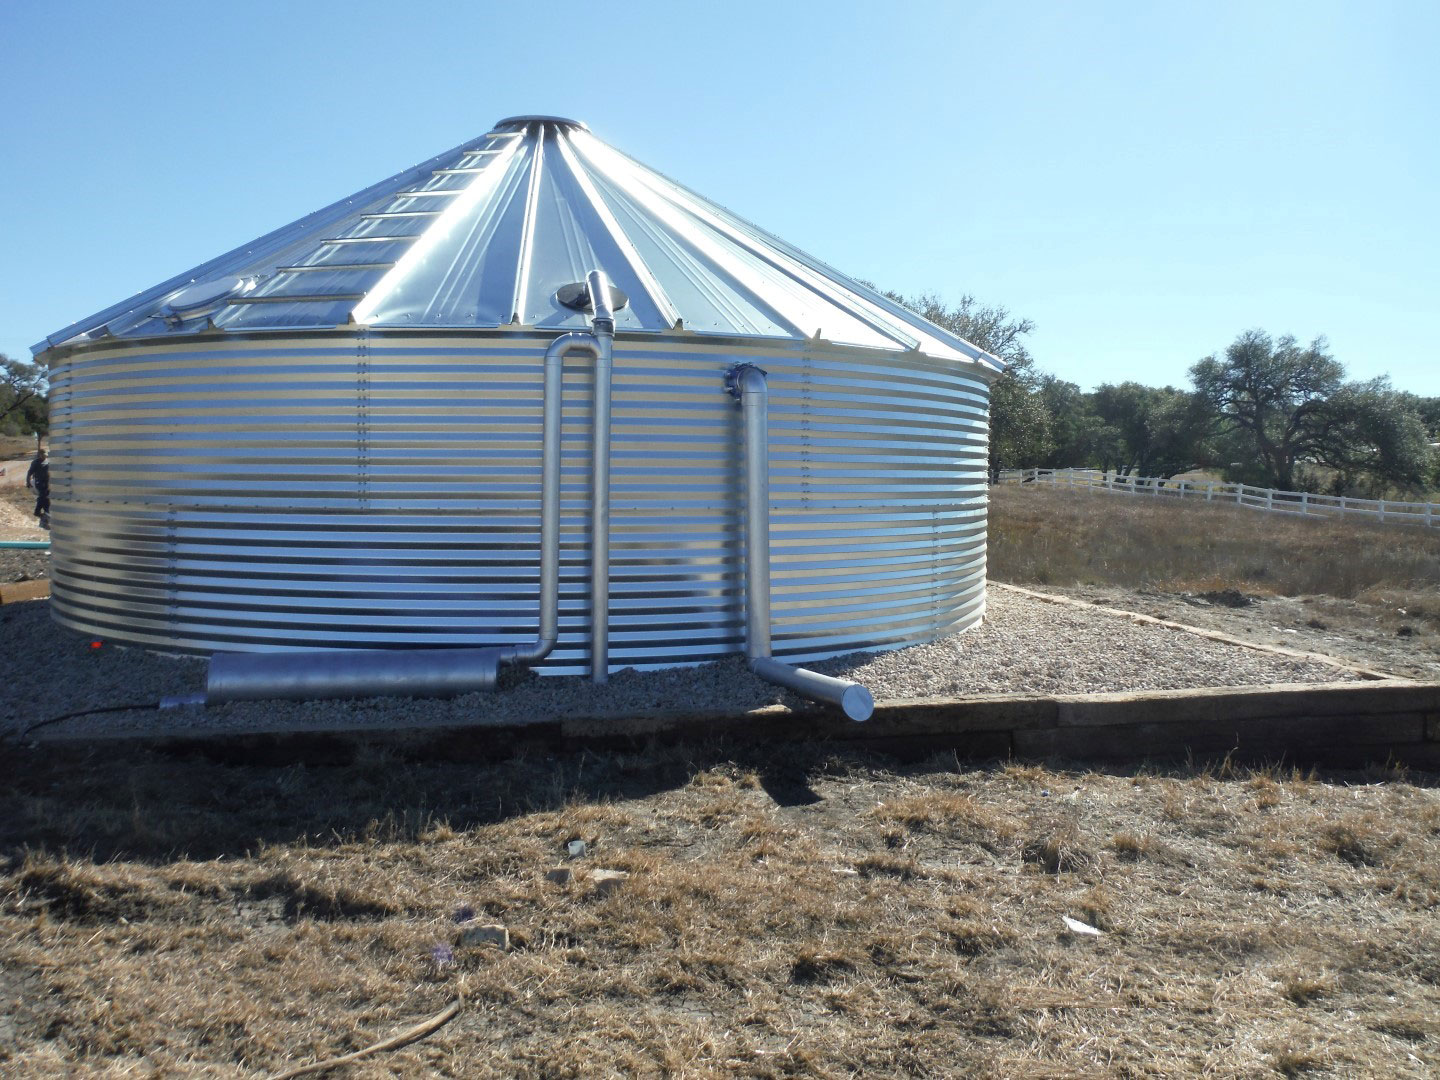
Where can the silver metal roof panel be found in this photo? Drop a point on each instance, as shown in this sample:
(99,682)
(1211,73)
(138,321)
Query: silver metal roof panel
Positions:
(485,235)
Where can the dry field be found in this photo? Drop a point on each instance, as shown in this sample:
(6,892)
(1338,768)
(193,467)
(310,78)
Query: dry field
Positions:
(1056,537)
(1358,590)
(790,912)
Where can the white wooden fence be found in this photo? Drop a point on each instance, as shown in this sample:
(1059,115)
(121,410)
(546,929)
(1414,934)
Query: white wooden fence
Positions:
(1267,499)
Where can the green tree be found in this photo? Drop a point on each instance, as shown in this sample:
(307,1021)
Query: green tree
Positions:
(1019,422)
(23,405)
(1079,437)
(1295,409)
(1162,430)
(1428,409)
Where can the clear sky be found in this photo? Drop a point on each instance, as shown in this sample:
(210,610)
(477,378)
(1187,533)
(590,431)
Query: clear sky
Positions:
(1144,181)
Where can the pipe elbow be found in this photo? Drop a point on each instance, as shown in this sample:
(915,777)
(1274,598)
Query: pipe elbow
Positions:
(747,381)
(571,341)
(533,653)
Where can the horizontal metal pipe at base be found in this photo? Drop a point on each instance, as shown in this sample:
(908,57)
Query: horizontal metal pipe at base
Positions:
(852,698)
(344,673)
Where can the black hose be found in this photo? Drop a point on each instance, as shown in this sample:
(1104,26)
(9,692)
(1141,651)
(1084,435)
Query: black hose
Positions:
(83,712)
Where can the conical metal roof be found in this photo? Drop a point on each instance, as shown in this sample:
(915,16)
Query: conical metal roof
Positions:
(487,234)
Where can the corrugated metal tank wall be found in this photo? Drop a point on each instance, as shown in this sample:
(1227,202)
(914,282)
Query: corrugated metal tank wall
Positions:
(373,489)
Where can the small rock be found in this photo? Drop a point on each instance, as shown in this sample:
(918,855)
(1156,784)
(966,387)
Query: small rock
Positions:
(576,848)
(1078,927)
(608,881)
(1406,631)
(485,935)
(561,875)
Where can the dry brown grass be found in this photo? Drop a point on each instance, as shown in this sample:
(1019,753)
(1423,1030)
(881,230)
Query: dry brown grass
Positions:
(1054,537)
(163,916)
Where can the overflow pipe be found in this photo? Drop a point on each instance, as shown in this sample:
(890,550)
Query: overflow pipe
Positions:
(603,325)
(748,383)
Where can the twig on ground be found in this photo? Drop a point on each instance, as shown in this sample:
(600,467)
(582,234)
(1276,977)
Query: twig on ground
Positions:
(395,1042)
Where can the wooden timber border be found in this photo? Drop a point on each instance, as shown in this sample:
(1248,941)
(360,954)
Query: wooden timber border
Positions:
(1341,725)
(12,592)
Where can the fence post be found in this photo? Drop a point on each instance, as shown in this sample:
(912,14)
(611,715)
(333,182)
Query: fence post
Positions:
(1182,489)
(1343,511)
(1429,514)
(1304,502)
(1109,483)
(1210,492)
(1382,509)
(1240,494)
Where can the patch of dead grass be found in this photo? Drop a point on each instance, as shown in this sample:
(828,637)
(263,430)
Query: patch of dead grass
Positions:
(765,941)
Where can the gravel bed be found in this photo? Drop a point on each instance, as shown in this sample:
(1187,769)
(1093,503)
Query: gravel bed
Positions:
(23,565)
(1024,646)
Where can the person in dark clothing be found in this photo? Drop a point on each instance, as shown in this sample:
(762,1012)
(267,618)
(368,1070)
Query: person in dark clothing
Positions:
(38,481)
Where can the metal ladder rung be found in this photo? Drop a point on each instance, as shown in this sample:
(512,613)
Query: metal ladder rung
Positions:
(314,267)
(367,239)
(433,191)
(297,298)
(399,214)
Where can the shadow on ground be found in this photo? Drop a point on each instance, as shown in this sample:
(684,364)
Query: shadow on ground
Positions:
(156,805)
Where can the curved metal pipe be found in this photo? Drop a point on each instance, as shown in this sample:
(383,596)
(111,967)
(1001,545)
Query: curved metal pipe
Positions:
(748,383)
(354,673)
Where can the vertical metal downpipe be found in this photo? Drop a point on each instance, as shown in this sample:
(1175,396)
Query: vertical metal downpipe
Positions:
(748,383)
(603,324)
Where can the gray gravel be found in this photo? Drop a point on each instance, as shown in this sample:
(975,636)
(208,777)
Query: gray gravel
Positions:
(22,565)
(1024,646)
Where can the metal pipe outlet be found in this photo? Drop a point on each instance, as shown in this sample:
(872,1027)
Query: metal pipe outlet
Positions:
(356,673)
(748,383)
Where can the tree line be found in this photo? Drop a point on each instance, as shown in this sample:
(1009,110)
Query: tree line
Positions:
(1268,411)
(24,398)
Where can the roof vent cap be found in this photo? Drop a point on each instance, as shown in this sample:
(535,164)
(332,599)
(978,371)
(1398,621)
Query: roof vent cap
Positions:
(204,297)
(576,297)
(526,121)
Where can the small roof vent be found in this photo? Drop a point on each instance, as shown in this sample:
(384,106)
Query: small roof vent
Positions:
(576,297)
(203,297)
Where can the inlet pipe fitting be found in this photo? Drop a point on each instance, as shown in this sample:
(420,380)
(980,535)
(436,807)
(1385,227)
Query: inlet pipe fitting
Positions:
(357,673)
(748,383)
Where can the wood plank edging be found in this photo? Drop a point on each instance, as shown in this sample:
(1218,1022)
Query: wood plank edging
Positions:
(12,592)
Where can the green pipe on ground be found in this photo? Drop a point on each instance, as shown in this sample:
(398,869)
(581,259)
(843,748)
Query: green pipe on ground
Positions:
(24,545)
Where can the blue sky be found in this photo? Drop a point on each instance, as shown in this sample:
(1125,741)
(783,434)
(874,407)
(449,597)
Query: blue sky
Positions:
(1143,181)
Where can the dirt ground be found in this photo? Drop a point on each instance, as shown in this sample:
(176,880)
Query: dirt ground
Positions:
(799,911)
(17,517)
(1383,637)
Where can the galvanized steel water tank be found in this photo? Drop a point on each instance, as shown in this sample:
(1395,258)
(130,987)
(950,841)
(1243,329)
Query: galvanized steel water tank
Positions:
(330,437)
